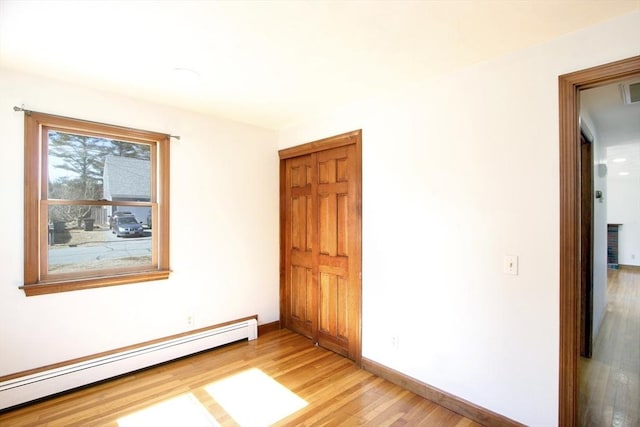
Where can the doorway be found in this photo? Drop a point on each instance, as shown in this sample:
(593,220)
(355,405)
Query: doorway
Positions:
(570,219)
(320,242)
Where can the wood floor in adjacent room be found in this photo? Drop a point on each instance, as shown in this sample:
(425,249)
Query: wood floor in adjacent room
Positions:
(279,379)
(610,380)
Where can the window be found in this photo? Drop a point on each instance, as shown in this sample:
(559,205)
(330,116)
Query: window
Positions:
(96,205)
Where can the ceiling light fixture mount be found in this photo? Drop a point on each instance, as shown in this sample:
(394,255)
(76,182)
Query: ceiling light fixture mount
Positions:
(187,74)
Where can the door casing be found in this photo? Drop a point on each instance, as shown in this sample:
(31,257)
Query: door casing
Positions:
(569,86)
(586,247)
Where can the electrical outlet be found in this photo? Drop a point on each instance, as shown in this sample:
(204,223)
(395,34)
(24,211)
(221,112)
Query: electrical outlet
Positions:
(190,320)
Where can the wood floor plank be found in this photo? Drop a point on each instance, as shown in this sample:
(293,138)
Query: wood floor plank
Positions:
(335,390)
(610,380)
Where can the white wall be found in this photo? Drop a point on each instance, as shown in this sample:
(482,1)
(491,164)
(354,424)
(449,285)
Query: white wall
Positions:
(624,208)
(599,239)
(457,173)
(224,237)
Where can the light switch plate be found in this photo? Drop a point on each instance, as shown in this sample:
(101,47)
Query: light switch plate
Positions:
(510,265)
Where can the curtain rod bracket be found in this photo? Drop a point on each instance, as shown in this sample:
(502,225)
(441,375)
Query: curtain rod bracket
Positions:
(27,112)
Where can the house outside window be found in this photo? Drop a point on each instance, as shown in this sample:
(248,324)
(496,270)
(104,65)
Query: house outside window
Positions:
(96,205)
(128,179)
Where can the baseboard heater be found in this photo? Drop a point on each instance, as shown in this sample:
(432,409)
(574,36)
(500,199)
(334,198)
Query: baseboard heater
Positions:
(46,382)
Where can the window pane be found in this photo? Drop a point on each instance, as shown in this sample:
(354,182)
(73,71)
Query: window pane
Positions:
(84,167)
(86,238)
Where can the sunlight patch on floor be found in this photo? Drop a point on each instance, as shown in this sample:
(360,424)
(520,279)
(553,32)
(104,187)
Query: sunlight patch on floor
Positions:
(184,410)
(253,398)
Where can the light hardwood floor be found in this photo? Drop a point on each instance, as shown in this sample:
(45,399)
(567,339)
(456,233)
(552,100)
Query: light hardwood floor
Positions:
(610,380)
(312,386)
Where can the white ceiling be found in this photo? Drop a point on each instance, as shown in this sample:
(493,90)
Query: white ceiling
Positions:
(623,161)
(617,126)
(616,123)
(272,63)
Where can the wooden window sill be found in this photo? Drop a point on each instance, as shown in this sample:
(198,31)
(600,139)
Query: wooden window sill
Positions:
(51,287)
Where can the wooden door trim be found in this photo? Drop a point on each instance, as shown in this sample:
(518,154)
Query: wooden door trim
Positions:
(569,86)
(586,242)
(354,137)
(348,138)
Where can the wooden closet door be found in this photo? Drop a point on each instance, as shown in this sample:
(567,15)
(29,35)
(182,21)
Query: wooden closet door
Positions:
(335,172)
(300,286)
(321,286)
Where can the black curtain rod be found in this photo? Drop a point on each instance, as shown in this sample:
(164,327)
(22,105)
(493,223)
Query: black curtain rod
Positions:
(28,112)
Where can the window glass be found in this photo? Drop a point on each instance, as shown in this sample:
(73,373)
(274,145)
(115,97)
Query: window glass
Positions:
(94,241)
(82,167)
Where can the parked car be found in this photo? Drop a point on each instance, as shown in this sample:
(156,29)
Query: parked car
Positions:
(127,225)
(116,215)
